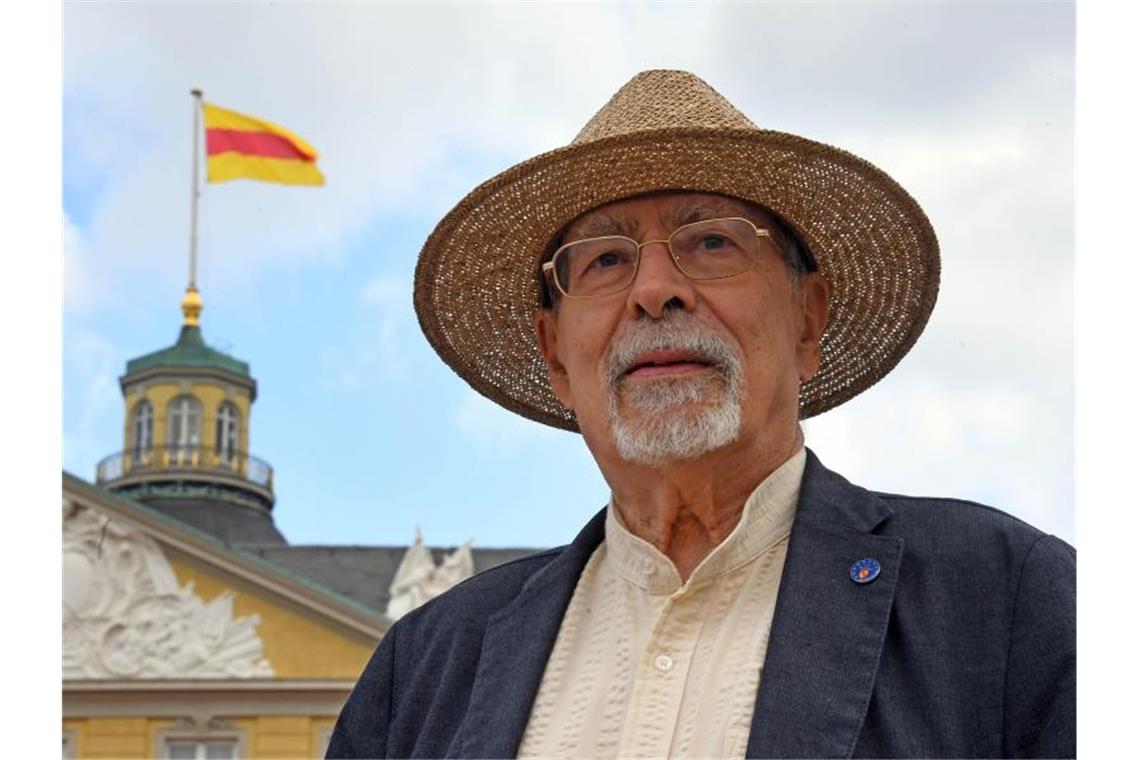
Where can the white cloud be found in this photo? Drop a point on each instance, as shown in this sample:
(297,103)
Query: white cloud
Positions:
(392,294)
(495,430)
(930,159)
(91,386)
(925,436)
(390,298)
(79,286)
(383,351)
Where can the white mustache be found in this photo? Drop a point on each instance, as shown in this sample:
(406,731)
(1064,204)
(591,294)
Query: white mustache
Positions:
(657,430)
(677,331)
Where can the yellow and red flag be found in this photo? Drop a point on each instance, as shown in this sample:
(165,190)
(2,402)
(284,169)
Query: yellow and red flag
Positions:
(240,146)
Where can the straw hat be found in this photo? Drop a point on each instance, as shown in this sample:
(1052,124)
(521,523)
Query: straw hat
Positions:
(476,285)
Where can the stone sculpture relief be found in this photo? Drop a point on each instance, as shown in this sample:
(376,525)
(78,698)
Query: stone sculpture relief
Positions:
(125,616)
(418,579)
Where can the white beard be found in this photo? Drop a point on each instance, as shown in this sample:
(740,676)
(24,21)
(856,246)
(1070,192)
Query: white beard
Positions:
(654,421)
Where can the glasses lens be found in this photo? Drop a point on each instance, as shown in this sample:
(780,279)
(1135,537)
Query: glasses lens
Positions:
(715,248)
(595,267)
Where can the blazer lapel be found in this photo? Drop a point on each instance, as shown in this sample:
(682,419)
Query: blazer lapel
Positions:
(828,631)
(516,646)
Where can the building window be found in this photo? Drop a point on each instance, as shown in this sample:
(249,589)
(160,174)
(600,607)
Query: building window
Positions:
(203,749)
(184,430)
(201,738)
(142,428)
(226,438)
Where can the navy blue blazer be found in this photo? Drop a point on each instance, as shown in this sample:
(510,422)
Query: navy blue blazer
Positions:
(963,646)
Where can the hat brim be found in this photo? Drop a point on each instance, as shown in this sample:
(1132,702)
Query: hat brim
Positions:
(476,284)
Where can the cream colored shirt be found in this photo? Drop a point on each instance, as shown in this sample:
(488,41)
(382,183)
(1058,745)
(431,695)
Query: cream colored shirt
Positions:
(645,666)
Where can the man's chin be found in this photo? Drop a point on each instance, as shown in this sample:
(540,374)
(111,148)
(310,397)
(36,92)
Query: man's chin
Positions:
(669,395)
(680,432)
(636,415)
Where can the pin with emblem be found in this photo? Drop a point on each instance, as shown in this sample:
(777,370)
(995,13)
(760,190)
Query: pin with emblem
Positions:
(865,570)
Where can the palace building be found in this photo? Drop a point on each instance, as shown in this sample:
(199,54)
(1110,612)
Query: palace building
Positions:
(191,627)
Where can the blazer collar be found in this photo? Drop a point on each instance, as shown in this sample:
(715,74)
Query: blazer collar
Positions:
(516,646)
(827,499)
(823,650)
(828,631)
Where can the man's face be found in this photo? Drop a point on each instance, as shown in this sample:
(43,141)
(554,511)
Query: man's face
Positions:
(672,368)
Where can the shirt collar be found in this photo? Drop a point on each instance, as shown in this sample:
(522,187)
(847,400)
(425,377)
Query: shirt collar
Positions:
(766,519)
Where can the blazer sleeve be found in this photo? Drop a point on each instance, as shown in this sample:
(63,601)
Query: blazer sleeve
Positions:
(1040,689)
(362,728)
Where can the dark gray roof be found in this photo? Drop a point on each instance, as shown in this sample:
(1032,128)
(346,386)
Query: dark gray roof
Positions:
(230,523)
(360,573)
(364,573)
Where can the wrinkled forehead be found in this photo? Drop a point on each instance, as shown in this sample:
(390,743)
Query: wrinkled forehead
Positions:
(669,209)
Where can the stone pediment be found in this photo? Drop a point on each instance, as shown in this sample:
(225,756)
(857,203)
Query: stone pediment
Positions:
(125,616)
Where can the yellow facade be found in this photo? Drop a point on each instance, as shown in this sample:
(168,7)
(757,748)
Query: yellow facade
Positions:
(140,737)
(112,737)
(295,643)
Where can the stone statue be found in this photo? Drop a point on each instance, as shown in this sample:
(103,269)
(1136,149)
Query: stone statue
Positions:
(418,579)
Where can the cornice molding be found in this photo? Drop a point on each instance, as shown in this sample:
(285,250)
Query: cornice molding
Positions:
(178,374)
(208,685)
(176,698)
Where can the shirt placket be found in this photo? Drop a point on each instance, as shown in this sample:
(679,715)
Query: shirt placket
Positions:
(662,671)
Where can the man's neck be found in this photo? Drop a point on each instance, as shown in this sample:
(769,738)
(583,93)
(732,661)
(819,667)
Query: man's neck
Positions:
(687,508)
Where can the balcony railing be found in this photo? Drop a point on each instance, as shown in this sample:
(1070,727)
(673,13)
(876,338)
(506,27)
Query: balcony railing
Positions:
(198,460)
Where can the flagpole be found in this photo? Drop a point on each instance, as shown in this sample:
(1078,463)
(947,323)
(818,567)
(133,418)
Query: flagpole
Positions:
(194,192)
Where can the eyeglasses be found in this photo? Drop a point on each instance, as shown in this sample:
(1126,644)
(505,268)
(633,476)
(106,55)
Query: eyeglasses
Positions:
(708,250)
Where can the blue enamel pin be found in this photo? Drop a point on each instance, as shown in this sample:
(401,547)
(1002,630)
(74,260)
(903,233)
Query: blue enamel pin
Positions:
(865,570)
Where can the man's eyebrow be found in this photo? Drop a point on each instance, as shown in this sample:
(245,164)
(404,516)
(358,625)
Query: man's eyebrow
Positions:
(603,225)
(687,213)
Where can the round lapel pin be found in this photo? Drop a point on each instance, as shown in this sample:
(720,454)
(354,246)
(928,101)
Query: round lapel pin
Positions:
(865,570)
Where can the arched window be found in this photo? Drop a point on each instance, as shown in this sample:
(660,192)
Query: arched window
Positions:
(184,431)
(226,433)
(142,430)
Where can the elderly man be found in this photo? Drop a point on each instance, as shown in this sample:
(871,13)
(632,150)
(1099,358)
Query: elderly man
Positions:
(683,288)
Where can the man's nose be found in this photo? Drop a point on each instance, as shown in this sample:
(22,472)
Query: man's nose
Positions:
(659,284)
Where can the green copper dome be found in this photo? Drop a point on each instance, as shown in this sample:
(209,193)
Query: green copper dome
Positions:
(190,351)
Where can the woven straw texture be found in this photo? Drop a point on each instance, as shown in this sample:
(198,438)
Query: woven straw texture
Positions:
(476,285)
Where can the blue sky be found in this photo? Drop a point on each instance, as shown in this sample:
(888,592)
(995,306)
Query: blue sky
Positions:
(969,106)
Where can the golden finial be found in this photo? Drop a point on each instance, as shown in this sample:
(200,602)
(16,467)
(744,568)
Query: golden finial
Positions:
(191,306)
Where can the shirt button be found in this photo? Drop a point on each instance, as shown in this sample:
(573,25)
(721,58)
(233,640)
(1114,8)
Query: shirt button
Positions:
(663,662)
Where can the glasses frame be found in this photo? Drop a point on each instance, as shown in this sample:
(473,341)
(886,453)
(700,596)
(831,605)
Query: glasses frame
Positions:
(548,266)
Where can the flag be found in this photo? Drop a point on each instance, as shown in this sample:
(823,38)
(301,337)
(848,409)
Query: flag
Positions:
(243,146)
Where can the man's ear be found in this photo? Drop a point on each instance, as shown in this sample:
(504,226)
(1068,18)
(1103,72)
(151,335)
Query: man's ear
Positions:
(814,293)
(546,331)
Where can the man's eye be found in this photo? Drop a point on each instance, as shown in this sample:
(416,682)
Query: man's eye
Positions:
(606,260)
(713,242)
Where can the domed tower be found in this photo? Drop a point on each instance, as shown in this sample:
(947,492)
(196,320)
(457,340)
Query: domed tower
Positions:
(186,439)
